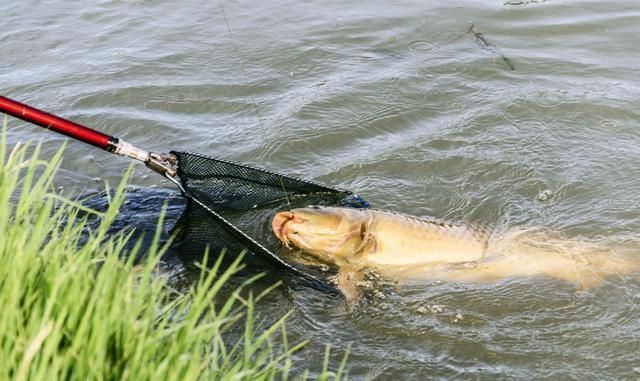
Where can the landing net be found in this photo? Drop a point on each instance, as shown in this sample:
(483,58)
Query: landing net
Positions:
(230,206)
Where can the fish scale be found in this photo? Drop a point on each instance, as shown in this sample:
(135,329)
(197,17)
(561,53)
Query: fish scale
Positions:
(402,239)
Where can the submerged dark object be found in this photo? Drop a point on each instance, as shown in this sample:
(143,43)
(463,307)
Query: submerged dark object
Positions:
(485,44)
(229,205)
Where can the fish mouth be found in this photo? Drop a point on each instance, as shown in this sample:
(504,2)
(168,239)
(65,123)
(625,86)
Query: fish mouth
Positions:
(278,225)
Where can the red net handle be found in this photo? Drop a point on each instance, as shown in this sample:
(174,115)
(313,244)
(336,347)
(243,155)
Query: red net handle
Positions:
(57,124)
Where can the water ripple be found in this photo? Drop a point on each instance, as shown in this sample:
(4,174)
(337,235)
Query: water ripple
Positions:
(402,105)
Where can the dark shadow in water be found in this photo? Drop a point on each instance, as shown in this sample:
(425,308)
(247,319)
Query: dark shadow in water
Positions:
(141,212)
(485,44)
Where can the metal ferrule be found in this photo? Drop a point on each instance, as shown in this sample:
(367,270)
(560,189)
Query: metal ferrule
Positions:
(163,163)
(129,150)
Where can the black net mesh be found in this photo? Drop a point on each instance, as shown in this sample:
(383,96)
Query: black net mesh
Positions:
(230,206)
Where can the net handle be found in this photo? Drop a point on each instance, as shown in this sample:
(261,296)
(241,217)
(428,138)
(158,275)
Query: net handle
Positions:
(161,163)
(58,124)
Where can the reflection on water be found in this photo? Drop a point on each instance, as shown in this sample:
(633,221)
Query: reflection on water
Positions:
(401,104)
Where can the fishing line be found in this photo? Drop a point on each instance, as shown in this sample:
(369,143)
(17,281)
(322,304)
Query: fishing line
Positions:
(253,99)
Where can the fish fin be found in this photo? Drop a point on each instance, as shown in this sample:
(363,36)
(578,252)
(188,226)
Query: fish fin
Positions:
(347,281)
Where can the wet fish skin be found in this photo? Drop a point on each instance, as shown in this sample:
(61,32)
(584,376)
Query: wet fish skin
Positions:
(377,237)
(404,247)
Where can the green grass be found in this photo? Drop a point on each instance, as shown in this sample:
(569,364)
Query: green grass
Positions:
(78,310)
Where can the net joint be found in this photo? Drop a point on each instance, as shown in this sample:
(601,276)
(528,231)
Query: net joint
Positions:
(163,163)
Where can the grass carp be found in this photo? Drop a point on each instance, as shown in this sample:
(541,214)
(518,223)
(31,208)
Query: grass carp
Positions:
(403,246)
(348,235)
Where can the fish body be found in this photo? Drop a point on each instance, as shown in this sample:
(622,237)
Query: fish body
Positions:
(406,247)
(377,237)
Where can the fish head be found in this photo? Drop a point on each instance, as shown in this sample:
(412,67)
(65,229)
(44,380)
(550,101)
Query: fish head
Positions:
(332,235)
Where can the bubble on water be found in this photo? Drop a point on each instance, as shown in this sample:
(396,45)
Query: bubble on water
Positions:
(366,284)
(458,318)
(421,46)
(608,123)
(379,294)
(545,195)
(433,308)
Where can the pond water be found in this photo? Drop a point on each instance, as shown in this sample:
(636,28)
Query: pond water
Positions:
(515,114)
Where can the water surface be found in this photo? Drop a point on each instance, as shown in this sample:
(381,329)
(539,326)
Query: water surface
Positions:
(402,103)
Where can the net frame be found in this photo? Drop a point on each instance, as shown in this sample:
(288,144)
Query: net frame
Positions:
(219,191)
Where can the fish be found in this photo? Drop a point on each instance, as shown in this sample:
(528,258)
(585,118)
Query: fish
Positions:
(349,235)
(402,246)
